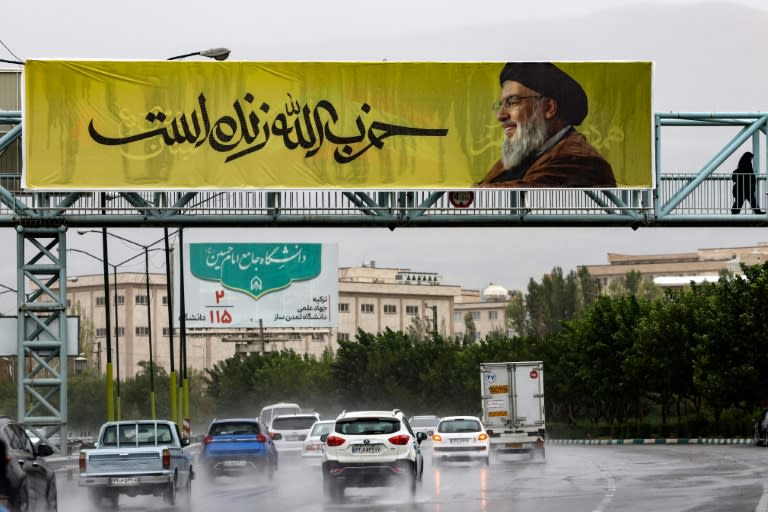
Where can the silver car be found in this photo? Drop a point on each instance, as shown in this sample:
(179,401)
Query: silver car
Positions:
(313,446)
(426,424)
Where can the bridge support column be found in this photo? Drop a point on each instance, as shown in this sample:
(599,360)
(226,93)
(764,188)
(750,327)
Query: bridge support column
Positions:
(42,330)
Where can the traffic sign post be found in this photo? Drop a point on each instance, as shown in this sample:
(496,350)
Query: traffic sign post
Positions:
(461,198)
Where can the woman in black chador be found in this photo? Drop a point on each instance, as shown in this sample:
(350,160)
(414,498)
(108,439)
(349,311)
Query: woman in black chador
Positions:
(744,185)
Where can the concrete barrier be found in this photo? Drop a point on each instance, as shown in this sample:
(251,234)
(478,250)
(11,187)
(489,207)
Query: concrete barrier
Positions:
(638,441)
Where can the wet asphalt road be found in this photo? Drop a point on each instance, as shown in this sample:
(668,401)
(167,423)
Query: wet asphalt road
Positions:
(629,478)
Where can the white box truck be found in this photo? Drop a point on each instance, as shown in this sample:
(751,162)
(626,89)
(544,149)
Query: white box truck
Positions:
(513,406)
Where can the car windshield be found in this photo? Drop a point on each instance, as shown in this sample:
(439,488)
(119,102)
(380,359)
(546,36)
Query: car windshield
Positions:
(368,426)
(457,426)
(425,421)
(321,428)
(293,423)
(233,428)
(133,434)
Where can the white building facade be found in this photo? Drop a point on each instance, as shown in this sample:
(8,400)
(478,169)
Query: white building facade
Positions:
(372,299)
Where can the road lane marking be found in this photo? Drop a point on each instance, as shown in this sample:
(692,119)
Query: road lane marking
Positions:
(610,491)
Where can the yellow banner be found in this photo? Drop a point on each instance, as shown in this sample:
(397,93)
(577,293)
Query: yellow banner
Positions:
(92,125)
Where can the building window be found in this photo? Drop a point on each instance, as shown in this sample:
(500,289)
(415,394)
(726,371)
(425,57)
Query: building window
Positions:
(343,336)
(493,315)
(120,300)
(142,331)
(411,310)
(318,336)
(475,315)
(294,336)
(343,307)
(458,317)
(366,308)
(141,299)
(101,332)
(390,309)
(166,331)
(69,302)
(165,300)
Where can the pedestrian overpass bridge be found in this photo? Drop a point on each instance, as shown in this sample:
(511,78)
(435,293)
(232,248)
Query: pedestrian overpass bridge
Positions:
(694,198)
(700,197)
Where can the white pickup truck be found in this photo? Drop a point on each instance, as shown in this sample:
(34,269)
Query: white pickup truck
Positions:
(137,457)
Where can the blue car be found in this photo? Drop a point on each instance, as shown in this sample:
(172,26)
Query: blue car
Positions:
(237,446)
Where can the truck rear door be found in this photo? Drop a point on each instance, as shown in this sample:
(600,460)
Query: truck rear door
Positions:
(529,387)
(497,404)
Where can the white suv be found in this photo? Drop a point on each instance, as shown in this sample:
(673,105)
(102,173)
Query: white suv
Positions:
(371,449)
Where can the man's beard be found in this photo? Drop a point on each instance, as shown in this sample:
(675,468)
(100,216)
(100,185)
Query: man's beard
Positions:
(529,137)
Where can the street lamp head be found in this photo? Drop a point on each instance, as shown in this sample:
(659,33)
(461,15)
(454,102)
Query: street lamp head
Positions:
(216,53)
(213,53)
(83,231)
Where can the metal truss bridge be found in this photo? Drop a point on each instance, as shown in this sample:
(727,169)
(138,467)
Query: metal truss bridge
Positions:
(702,198)
(696,199)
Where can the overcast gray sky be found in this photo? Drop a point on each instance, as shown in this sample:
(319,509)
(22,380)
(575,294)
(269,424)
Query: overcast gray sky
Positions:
(696,69)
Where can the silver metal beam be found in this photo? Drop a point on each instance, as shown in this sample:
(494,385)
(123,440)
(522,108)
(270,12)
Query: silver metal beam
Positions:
(42,330)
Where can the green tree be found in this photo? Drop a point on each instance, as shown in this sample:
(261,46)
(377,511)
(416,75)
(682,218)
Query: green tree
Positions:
(86,333)
(517,317)
(635,284)
(470,330)
(557,298)
(87,403)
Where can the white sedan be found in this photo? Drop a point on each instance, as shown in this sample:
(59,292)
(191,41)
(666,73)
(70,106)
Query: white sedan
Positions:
(313,446)
(460,438)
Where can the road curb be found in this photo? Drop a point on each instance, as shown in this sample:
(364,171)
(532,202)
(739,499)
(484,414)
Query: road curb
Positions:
(681,440)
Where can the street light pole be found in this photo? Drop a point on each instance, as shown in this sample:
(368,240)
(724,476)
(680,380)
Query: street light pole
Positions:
(169,299)
(109,380)
(111,400)
(152,395)
(152,400)
(117,347)
(183,338)
(183,413)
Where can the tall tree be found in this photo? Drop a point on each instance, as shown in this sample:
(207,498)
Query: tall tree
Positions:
(470,330)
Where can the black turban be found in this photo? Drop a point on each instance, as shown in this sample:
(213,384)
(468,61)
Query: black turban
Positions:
(549,80)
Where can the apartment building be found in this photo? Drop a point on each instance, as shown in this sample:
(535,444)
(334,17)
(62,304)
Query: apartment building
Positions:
(370,298)
(679,269)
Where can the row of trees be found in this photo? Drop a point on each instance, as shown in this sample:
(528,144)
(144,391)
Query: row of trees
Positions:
(687,362)
(680,360)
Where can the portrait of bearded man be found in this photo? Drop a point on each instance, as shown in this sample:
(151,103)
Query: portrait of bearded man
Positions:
(539,108)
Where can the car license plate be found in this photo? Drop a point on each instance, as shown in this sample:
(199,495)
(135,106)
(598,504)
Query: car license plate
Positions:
(460,440)
(366,448)
(294,438)
(125,480)
(234,463)
(514,445)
